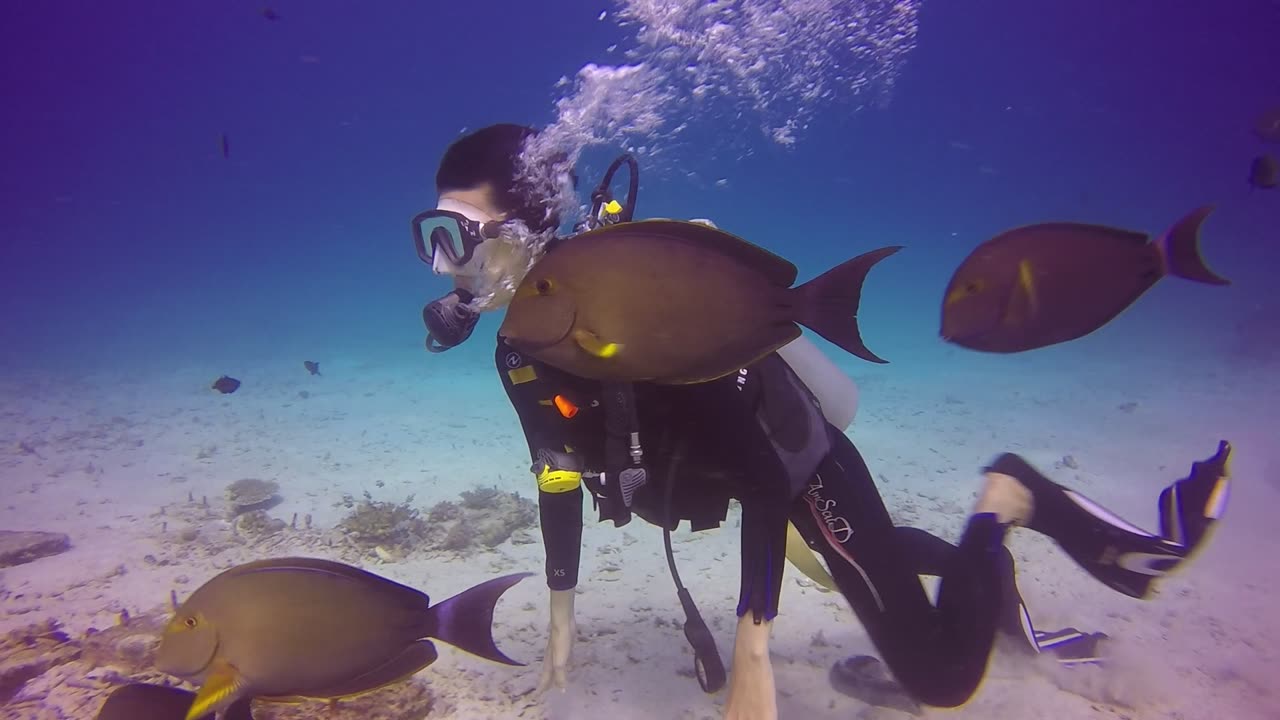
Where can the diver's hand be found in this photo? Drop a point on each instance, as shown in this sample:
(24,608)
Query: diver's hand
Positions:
(560,634)
(752,695)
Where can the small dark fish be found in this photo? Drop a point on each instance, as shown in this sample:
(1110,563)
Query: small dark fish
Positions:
(865,678)
(1267,126)
(1044,284)
(1263,172)
(676,303)
(226,384)
(312,367)
(270,14)
(311,628)
(225,145)
(139,701)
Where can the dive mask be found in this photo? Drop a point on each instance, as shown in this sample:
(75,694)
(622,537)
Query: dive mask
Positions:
(450,320)
(451,234)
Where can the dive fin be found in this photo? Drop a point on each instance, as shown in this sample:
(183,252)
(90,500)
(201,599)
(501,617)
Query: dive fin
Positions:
(1121,555)
(865,678)
(828,304)
(1180,248)
(222,687)
(1069,646)
(804,560)
(465,620)
(1189,507)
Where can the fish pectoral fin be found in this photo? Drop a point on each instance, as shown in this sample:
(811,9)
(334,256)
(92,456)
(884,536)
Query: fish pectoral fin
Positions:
(222,687)
(1023,302)
(593,344)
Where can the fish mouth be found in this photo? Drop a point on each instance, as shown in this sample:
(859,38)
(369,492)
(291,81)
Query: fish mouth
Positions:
(533,331)
(963,339)
(510,334)
(525,346)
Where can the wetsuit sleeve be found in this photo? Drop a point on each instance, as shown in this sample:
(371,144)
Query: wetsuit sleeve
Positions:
(531,387)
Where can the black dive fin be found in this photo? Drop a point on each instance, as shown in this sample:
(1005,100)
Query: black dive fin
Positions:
(1181,249)
(1069,646)
(828,304)
(1189,507)
(1120,555)
(465,620)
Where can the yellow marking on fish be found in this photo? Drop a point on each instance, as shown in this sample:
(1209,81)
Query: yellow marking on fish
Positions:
(522,375)
(221,688)
(1027,280)
(593,345)
(972,287)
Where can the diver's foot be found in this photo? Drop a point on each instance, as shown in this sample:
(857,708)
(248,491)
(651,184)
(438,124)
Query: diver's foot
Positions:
(1010,500)
(1070,647)
(865,678)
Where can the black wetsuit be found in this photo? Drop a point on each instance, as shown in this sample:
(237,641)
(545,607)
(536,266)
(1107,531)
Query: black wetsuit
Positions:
(759,436)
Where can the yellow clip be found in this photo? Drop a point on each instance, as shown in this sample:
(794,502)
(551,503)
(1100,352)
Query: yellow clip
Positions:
(613,207)
(522,375)
(558,481)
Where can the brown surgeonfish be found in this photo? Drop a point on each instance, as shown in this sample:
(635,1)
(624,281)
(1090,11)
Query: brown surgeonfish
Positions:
(1263,172)
(676,302)
(1044,284)
(141,701)
(286,629)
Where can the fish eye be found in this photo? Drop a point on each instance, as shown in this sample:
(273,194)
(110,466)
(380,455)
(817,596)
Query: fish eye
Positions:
(543,286)
(190,623)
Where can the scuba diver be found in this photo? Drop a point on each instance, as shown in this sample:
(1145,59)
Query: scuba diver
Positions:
(772,436)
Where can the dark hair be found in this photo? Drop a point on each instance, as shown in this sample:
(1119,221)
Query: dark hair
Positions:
(491,155)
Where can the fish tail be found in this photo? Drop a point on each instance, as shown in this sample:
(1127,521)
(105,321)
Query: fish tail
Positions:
(465,620)
(1180,248)
(828,304)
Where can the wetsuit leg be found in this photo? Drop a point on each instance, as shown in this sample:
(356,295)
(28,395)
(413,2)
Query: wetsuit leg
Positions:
(930,554)
(938,652)
(764,550)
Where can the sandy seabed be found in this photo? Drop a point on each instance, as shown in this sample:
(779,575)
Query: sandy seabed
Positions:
(134,471)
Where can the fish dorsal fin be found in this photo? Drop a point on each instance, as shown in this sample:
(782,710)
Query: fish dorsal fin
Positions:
(777,269)
(412,598)
(1055,229)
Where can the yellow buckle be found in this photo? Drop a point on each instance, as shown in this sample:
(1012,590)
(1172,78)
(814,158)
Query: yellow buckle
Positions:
(558,481)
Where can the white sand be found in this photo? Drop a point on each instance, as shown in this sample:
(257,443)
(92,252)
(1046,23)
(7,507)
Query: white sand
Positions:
(108,452)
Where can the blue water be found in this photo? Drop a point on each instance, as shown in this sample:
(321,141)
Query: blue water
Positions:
(130,246)
(128,237)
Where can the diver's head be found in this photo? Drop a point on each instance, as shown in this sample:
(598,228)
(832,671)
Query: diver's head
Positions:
(486,231)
